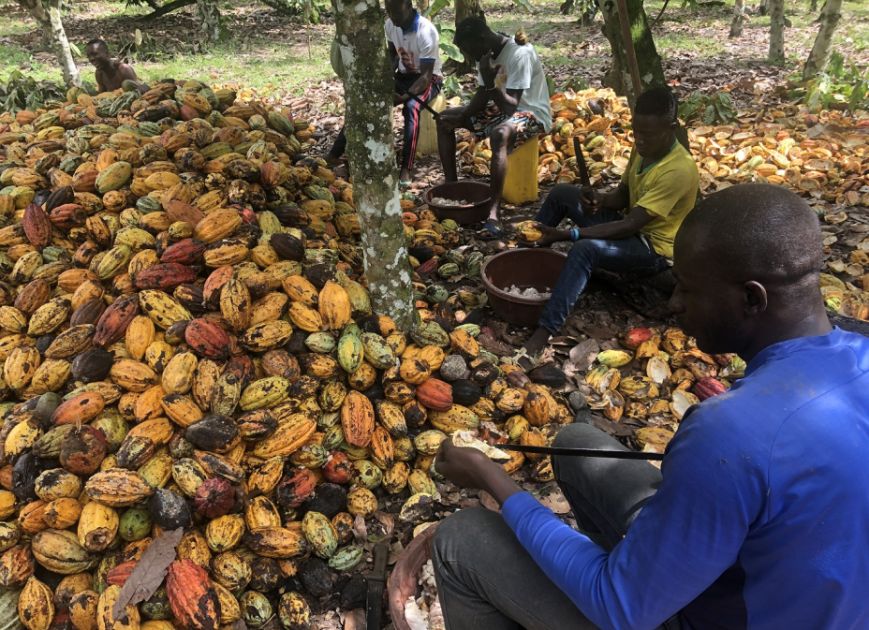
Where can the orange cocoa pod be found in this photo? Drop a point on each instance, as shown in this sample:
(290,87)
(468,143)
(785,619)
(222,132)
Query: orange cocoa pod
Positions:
(79,409)
(193,601)
(435,394)
(357,419)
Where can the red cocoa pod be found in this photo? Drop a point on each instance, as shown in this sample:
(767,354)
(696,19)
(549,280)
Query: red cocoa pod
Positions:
(435,394)
(185,252)
(635,336)
(338,469)
(68,216)
(428,266)
(164,276)
(118,574)
(37,226)
(292,491)
(214,283)
(708,387)
(83,450)
(114,321)
(192,600)
(214,497)
(79,409)
(207,339)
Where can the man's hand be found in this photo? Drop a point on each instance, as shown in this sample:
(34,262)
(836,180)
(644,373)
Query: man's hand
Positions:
(452,118)
(550,235)
(469,468)
(590,199)
(488,70)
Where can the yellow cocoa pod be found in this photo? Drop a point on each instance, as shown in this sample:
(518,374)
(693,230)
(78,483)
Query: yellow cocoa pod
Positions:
(300,289)
(334,305)
(162,308)
(194,547)
(261,512)
(456,418)
(62,513)
(217,224)
(117,487)
(107,620)
(139,335)
(224,532)
(361,502)
(177,376)
(97,526)
(305,317)
(235,303)
(182,410)
(277,542)
(132,375)
(59,551)
(83,610)
(36,605)
(292,433)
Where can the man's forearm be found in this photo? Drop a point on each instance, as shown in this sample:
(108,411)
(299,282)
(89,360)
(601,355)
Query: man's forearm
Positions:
(498,483)
(506,103)
(616,199)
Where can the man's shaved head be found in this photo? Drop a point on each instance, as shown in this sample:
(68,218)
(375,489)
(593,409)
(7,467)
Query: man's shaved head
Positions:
(755,232)
(747,261)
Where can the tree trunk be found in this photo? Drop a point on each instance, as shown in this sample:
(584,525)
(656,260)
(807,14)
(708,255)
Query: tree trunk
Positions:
(209,18)
(776,31)
(53,35)
(738,19)
(651,71)
(61,44)
(368,87)
(467,8)
(820,54)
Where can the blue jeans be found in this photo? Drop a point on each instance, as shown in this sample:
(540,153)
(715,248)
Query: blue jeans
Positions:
(632,254)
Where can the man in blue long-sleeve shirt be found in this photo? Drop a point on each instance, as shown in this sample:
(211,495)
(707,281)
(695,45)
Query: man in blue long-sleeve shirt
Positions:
(758,518)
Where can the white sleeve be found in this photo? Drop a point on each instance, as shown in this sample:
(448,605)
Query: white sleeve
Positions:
(428,42)
(519,70)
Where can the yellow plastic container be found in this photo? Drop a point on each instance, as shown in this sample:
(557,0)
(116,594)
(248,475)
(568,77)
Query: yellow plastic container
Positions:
(427,143)
(520,185)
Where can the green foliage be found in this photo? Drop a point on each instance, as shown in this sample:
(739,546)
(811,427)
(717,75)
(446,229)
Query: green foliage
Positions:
(448,48)
(23,92)
(452,86)
(711,109)
(436,7)
(838,86)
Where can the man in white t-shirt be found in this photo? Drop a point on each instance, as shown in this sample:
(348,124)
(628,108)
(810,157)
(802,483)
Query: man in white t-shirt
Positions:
(511,104)
(414,48)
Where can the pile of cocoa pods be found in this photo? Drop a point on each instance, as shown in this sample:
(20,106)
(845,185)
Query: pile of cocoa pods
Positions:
(187,343)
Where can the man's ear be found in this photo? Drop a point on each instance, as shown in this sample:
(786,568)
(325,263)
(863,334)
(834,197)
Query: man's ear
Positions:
(755,297)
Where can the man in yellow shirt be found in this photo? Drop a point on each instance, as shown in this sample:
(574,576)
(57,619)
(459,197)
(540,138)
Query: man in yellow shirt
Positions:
(629,229)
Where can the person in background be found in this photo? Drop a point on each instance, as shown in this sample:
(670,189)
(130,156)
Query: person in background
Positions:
(629,229)
(755,519)
(110,73)
(414,46)
(510,105)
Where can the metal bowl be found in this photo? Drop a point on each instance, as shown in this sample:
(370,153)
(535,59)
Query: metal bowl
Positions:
(478,193)
(537,268)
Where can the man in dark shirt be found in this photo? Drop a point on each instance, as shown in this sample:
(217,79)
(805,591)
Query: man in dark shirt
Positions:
(111,73)
(757,516)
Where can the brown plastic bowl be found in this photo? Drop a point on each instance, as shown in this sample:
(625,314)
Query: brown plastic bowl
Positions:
(477,193)
(403,580)
(538,268)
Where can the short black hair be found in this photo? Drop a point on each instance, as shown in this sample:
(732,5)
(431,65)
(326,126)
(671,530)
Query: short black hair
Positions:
(658,101)
(472,27)
(99,42)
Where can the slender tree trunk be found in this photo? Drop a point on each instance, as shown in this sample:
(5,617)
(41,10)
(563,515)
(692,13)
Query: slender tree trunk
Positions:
(651,70)
(368,87)
(776,31)
(738,19)
(820,54)
(209,18)
(47,16)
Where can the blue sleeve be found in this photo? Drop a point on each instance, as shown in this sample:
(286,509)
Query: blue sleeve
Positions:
(684,538)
